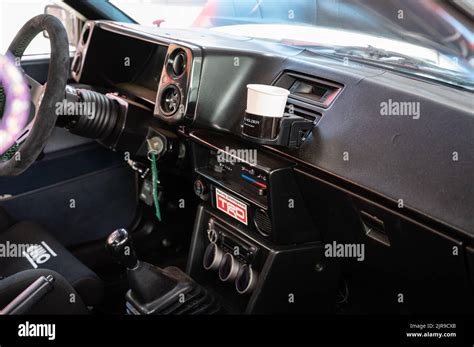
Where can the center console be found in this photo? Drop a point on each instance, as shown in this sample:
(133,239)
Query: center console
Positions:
(253,241)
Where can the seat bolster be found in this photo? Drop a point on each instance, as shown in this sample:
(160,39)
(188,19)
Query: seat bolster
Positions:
(48,253)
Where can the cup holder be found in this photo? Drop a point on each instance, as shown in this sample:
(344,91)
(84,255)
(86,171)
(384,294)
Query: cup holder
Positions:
(288,131)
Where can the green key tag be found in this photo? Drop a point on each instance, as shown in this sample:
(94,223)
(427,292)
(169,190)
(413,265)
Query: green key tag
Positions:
(154,177)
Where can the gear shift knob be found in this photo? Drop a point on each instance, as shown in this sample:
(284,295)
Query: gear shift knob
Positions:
(120,244)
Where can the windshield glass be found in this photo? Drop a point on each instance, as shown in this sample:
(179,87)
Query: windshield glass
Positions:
(429,38)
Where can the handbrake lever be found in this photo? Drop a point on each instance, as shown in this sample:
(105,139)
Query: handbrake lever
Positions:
(30,296)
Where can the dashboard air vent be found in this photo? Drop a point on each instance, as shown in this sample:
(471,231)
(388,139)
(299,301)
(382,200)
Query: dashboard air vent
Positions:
(302,109)
(311,91)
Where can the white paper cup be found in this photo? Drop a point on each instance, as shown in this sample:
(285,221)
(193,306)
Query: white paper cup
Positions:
(267,101)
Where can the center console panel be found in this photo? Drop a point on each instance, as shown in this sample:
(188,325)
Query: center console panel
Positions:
(252,275)
(253,241)
(255,188)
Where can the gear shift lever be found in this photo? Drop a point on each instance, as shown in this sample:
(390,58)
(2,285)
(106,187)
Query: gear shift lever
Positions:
(120,244)
(144,279)
(155,290)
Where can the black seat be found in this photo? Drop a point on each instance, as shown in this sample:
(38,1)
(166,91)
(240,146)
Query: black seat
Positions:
(41,251)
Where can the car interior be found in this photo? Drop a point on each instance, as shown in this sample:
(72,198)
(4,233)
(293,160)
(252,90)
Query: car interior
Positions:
(143,184)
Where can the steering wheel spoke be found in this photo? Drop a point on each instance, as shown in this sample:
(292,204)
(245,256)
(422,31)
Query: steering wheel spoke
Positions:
(36,91)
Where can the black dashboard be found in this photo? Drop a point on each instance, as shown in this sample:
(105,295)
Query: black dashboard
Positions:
(392,182)
(394,150)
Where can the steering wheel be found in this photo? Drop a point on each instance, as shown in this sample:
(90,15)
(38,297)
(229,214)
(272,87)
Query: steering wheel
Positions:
(43,97)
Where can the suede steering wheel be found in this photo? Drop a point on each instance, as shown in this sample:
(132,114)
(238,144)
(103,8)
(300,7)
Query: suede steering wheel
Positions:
(43,97)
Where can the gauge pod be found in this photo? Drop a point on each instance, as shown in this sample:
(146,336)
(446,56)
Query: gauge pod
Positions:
(178,85)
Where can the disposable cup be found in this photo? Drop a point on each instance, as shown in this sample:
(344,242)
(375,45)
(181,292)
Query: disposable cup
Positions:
(265,100)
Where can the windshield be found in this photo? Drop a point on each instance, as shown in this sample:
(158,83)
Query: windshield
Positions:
(429,38)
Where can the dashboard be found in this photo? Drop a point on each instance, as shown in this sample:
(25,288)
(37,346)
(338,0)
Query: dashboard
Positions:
(388,156)
(396,180)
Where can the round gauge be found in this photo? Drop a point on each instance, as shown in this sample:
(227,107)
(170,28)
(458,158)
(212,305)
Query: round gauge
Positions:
(170,100)
(176,65)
